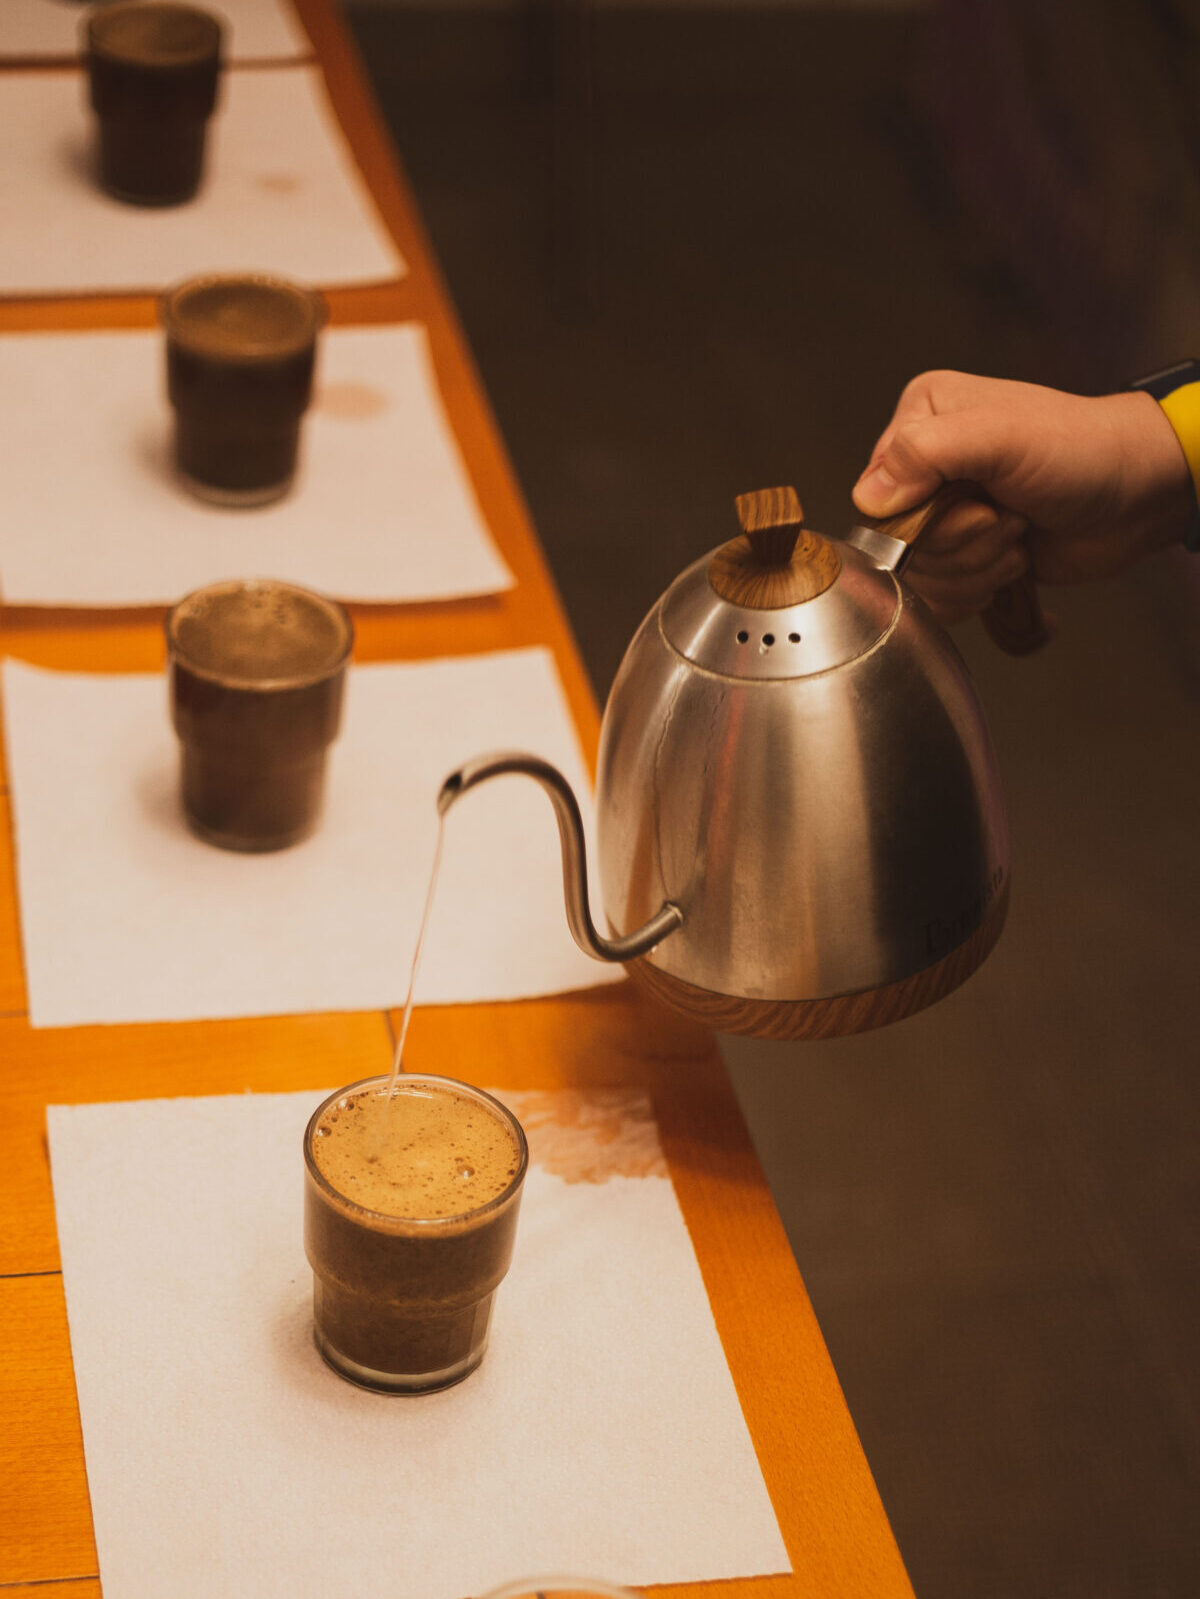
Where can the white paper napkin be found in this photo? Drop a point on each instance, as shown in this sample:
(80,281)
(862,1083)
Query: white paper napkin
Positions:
(126,917)
(602,1432)
(283,194)
(382,508)
(256,30)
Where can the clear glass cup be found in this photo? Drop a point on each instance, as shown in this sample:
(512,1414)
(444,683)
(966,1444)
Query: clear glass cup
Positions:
(256,674)
(410,1216)
(153,75)
(241,352)
(559,1588)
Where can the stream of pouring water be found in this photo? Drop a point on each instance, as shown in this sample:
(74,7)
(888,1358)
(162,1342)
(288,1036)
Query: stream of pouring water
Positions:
(412,977)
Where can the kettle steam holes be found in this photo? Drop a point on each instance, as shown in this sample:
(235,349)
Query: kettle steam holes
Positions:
(768,639)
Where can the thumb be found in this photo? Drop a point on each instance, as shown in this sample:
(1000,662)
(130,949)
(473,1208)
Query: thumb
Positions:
(879,492)
(921,455)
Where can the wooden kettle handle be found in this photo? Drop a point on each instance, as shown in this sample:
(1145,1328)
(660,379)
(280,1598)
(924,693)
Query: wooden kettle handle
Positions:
(1014,619)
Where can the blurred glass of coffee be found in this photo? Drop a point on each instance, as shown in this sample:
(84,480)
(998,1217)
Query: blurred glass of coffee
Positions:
(153,72)
(256,673)
(241,352)
(410,1215)
(559,1588)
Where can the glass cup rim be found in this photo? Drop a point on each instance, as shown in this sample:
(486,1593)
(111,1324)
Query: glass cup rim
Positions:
(178,655)
(179,333)
(431,1224)
(550,1586)
(93,31)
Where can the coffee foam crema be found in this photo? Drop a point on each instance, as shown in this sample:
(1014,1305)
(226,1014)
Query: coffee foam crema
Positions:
(255,632)
(425,1152)
(162,35)
(243,318)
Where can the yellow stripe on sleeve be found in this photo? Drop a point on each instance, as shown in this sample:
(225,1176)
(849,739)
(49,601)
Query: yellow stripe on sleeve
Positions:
(1182,410)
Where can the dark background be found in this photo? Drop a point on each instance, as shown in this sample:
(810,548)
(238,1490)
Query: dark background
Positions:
(700,250)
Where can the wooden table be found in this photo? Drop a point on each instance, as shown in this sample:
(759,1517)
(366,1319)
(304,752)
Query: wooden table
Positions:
(836,1532)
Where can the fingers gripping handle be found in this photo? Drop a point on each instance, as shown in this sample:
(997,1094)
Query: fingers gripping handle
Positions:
(907,526)
(1014,619)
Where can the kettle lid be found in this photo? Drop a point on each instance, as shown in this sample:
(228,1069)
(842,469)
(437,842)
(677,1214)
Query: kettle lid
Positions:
(779,600)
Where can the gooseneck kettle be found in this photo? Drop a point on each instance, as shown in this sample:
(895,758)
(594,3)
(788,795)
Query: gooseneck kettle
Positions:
(799,819)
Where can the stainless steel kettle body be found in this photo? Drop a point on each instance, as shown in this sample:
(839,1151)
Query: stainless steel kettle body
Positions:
(813,787)
(800,827)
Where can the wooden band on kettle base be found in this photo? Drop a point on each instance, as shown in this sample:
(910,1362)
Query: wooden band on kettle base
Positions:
(839,1014)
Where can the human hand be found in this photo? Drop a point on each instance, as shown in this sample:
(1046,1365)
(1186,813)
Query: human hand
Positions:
(1080,487)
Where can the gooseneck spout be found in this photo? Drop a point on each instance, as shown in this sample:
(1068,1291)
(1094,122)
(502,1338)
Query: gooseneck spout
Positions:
(574,853)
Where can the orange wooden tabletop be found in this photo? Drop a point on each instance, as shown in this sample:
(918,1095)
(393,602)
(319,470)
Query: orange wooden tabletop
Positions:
(834,1526)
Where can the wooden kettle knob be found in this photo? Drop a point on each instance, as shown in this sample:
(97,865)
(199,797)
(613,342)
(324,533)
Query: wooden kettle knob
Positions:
(777,561)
